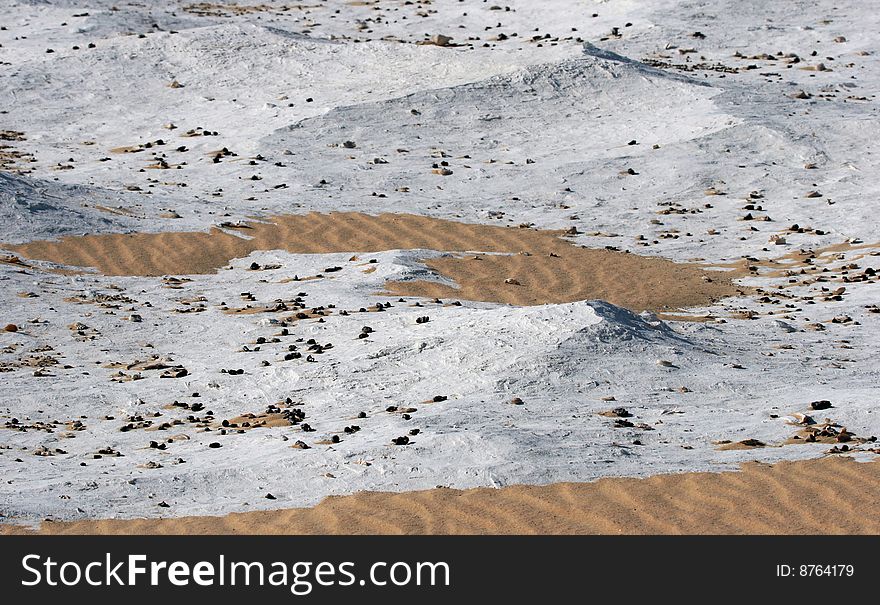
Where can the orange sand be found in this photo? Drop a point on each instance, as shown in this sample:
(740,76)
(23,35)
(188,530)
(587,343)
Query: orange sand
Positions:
(825,496)
(536,267)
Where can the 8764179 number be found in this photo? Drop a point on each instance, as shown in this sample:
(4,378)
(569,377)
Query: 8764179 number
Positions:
(817,570)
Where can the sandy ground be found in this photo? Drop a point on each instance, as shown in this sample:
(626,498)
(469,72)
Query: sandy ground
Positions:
(830,496)
(525,267)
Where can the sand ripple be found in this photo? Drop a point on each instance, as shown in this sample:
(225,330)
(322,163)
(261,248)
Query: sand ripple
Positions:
(827,496)
(533,267)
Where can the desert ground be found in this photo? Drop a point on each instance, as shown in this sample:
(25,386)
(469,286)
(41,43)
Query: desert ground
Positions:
(439,266)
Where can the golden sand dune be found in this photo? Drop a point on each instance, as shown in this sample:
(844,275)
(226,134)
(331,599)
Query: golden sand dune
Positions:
(826,496)
(537,267)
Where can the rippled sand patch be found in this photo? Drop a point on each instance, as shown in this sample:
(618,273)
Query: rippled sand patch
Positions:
(518,266)
(826,496)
